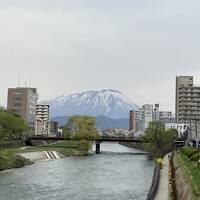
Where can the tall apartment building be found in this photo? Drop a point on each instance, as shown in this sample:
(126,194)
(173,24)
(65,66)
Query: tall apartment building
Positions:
(132,120)
(188,102)
(136,120)
(23,101)
(156,112)
(147,114)
(43,123)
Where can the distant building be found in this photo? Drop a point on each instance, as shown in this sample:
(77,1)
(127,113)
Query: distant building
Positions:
(118,132)
(132,120)
(183,129)
(139,119)
(147,114)
(188,103)
(23,101)
(42,113)
(53,127)
(156,112)
(39,126)
(136,120)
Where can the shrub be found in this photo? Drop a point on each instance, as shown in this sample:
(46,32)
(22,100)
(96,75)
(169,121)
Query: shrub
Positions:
(159,162)
(84,146)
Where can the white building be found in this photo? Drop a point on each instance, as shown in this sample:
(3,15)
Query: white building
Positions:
(118,132)
(180,127)
(147,114)
(42,113)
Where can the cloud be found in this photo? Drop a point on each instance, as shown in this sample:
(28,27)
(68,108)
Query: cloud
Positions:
(68,46)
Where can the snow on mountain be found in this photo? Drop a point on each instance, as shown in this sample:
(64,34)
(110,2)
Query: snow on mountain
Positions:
(110,103)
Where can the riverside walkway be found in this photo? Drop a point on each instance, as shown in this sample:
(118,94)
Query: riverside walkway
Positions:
(163,188)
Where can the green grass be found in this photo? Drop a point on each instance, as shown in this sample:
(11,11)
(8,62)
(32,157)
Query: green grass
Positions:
(67,148)
(192,170)
(65,144)
(9,159)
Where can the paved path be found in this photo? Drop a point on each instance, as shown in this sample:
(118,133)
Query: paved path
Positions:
(163,188)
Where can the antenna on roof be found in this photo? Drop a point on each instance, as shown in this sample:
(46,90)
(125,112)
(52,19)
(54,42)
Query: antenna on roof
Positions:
(30,83)
(19,79)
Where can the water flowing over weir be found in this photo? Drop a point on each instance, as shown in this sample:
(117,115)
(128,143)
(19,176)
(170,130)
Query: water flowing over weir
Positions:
(116,173)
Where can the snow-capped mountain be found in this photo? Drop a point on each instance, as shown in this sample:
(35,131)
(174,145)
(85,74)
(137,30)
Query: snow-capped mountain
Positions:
(110,103)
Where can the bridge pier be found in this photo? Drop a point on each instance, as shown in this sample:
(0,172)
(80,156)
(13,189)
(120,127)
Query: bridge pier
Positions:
(98,144)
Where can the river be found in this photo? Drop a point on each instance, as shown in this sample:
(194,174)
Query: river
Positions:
(115,174)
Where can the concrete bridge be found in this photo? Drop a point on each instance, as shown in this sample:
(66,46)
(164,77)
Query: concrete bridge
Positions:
(114,139)
(35,139)
(30,141)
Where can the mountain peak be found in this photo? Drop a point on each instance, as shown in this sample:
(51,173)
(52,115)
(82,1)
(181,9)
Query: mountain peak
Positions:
(106,102)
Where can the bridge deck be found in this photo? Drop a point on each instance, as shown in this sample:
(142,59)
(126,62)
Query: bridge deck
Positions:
(103,139)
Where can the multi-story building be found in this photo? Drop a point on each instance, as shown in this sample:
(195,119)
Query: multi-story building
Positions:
(161,115)
(188,103)
(147,114)
(53,127)
(39,126)
(156,112)
(140,119)
(42,113)
(118,132)
(132,120)
(23,101)
(182,129)
(136,120)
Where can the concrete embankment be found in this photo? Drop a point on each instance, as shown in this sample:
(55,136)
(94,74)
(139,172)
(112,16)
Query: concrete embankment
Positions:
(44,155)
(183,186)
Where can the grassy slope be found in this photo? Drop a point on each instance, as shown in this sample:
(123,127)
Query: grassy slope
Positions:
(192,172)
(67,148)
(9,158)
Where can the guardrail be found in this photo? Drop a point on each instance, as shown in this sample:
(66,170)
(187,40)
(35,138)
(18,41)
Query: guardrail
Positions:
(155,183)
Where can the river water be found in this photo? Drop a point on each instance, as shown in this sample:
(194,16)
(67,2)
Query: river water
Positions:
(115,174)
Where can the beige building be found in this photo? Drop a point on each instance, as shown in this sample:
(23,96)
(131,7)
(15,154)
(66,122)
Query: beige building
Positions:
(23,101)
(188,103)
(136,120)
(39,126)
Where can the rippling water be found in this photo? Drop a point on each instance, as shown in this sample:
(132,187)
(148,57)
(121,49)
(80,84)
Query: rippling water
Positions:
(113,175)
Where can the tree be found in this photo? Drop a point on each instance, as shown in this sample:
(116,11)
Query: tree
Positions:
(81,128)
(158,140)
(11,126)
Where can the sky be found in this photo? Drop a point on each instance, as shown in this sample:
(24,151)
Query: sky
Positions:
(67,46)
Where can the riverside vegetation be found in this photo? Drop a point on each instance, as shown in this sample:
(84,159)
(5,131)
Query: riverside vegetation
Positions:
(12,128)
(158,141)
(80,130)
(188,158)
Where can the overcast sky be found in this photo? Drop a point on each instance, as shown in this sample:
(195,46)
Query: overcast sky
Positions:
(69,46)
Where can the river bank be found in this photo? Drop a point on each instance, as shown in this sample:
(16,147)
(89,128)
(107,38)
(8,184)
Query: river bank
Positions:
(187,173)
(116,173)
(19,157)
